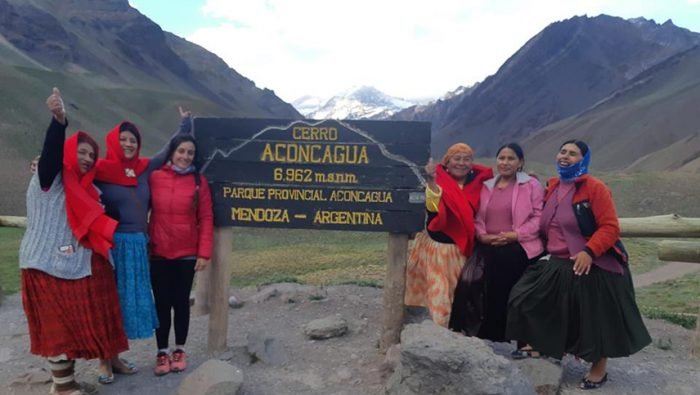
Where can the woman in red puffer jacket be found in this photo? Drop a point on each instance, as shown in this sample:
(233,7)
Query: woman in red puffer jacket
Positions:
(180,230)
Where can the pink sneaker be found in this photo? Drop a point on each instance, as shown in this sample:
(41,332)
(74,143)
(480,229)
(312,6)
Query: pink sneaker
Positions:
(179,362)
(162,364)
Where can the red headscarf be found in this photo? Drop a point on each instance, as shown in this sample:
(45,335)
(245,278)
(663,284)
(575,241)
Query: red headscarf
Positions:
(455,216)
(115,168)
(86,217)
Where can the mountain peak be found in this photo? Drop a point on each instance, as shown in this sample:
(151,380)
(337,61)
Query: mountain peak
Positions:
(360,102)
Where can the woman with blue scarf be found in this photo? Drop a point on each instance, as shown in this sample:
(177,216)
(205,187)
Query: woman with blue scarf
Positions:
(181,240)
(579,299)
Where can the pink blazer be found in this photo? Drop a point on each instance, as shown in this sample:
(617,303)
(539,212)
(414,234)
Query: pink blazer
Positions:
(528,197)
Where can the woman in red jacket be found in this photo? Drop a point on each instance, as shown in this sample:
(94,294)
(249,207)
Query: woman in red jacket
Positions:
(180,230)
(579,299)
(452,198)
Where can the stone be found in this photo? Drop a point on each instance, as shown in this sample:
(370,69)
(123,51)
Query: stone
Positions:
(289,293)
(266,349)
(213,377)
(234,302)
(435,360)
(545,376)
(326,328)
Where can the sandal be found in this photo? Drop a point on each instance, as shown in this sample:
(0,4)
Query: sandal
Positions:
(105,378)
(129,369)
(522,354)
(587,384)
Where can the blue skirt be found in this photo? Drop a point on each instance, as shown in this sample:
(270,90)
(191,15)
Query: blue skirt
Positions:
(131,266)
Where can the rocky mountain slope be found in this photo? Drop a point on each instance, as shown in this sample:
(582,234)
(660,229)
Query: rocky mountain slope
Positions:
(111,63)
(563,70)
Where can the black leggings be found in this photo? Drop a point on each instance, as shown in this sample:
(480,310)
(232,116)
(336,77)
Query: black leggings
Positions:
(172,282)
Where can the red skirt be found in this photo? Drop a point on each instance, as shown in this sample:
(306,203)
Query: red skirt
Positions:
(80,318)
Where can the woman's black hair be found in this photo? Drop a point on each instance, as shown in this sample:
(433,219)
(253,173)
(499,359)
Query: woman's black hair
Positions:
(580,144)
(174,143)
(515,147)
(127,126)
(183,138)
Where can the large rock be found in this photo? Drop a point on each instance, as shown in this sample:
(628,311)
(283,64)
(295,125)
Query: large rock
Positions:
(289,293)
(326,328)
(213,377)
(437,361)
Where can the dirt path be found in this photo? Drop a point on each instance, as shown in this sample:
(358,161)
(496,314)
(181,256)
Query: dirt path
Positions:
(349,365)
(664,273)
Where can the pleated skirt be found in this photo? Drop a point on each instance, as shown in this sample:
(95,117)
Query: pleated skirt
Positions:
(431,276)
(132,269)
(80,318)
(590,316)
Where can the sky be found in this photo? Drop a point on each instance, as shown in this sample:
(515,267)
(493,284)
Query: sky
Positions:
(413,49)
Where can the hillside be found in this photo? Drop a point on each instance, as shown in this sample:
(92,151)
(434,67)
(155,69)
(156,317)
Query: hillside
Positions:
(563,70)
(111,63)
(652,123)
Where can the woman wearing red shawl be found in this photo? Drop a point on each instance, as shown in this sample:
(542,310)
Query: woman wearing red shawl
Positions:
(123,178)
(68,289)
(439,252)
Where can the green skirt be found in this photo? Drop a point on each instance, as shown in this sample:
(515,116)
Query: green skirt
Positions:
(591,316)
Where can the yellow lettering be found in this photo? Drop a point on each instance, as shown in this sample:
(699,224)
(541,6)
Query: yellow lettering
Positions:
(348,218)
(247,214)
(267,154)
(311,153)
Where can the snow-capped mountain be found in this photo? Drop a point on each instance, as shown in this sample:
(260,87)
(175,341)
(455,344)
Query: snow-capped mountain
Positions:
(358,103)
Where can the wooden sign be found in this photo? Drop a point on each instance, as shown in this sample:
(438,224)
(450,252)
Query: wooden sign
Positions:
(345,175)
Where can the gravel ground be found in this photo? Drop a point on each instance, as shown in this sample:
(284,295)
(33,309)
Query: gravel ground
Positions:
(347,365)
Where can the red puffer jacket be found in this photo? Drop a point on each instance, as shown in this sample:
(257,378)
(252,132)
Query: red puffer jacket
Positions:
(177,227)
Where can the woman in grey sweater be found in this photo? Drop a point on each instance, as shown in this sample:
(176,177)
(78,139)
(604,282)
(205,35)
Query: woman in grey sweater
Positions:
(68,290)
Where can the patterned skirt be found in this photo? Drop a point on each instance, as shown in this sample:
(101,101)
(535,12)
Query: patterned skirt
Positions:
(431,276)
(131,265)
(80,318)
(591,316)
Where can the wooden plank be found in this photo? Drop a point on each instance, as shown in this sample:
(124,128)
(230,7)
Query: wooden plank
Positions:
(296,153)
(386,132)
(236,195)
(696,339)
(202,294)
(671,225)
(394,290)
(383,177)
(320,218)
(13,222)
(679,251)
(219,281)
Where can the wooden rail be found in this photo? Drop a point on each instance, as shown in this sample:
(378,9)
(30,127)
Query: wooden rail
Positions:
(670,225)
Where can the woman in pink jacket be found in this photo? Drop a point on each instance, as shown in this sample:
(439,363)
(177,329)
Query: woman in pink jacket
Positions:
(507,226)
(180,231)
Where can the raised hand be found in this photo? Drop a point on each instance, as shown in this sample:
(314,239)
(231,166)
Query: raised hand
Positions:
(55,104)
(183,113)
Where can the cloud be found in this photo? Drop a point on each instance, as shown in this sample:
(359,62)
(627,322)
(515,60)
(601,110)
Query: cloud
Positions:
(409,48)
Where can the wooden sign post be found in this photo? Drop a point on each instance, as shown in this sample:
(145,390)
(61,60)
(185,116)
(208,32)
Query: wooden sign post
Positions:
(341,175)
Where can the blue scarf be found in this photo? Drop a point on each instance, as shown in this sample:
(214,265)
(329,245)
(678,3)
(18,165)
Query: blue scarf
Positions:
(179,170)
(569,173)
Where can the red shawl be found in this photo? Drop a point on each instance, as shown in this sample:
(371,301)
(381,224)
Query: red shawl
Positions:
(86,217)
(455,216)
(115,168)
